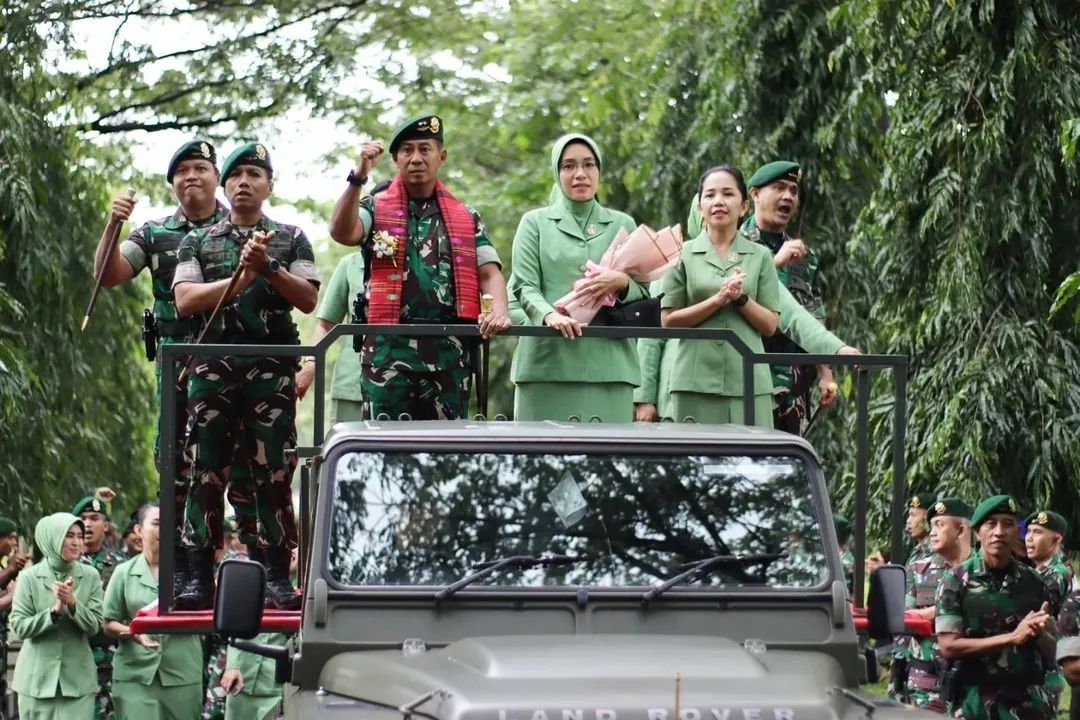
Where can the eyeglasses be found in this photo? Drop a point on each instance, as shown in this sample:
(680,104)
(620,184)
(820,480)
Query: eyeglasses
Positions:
(572,167)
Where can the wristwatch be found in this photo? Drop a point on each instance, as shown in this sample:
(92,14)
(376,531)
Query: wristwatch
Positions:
(741,300)
(356,180)
(272,266)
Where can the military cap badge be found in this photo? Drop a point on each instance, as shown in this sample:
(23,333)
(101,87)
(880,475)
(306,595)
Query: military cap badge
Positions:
(798,176)
(916,503)
(434,125)
(939,508)
(204,149)
(95,505)
(1012,505)
(260,152)
(1042,519)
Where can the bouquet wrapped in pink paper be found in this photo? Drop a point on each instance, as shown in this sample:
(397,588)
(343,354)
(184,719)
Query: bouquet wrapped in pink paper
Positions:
(644,254)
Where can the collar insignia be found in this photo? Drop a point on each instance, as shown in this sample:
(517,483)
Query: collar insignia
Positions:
(592,229)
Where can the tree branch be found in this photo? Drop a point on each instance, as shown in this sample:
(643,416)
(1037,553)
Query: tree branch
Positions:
(178,124)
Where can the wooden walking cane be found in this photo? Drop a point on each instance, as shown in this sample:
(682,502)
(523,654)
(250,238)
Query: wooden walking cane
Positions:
(259,237)
(113,229)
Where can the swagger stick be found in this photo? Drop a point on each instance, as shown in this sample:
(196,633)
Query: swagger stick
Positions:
(113,229)
(259,237)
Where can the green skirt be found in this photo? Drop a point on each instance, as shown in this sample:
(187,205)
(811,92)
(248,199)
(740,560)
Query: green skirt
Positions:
(574,401)
(135,701)
(719,409)
(56,708)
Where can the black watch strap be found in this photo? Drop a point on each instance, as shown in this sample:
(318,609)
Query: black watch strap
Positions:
(355,180)
(742,300)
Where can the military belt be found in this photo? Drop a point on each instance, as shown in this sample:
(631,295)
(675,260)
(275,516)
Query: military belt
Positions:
(175,328)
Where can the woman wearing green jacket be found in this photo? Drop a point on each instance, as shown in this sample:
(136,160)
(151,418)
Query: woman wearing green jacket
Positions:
(567,378)
(56,610)
(724,281)
(153,678)
(250,681)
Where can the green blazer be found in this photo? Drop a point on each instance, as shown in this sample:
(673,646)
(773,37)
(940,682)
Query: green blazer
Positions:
(178,661)
(55,659)
(550,252)
(714,367)
(257,671)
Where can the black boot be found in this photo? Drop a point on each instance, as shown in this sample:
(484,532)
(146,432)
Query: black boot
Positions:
(280,592)
(199,592)
(182,570)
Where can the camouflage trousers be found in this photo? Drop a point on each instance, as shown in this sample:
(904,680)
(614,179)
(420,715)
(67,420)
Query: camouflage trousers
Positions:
(923,690)
(1008,702)
(214,702)
(791,396)
(243,421)
(438,395)
(103,655)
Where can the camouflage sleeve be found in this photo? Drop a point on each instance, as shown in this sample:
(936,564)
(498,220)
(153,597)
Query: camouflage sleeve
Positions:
(367,216)
(188,267)
(949,617)
(302,258)
(816,302)
(135,249)
(485,251)
(1055,590)
(910,594)
(1068,625)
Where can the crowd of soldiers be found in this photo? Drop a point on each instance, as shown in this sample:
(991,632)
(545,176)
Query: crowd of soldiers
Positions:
(994,584)
(135,676)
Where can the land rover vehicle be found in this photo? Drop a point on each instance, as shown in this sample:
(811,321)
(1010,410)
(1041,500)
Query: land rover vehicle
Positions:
(567,571)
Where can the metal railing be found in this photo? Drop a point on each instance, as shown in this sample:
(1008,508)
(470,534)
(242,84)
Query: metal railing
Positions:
(863,365)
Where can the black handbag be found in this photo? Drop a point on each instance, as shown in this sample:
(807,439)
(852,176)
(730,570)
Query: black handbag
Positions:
(640,313)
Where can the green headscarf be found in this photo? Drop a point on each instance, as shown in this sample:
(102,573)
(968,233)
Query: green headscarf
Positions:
(49,534)
(580,211)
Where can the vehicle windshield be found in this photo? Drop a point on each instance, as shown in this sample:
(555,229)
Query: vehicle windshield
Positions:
(426,518)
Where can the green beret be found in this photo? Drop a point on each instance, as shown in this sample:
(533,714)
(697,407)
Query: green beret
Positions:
(90,504)
(843,528)
(771,172)
(418,127)
(922,500)
(949,507)
(992,506)
(7,526)
(194,149)
(1047,518)
(251,154)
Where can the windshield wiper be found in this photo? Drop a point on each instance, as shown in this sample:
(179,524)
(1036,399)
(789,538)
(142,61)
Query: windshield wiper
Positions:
(700,568)
(518,562)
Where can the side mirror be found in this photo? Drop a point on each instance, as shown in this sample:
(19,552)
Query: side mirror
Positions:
(885,606)
(238,604)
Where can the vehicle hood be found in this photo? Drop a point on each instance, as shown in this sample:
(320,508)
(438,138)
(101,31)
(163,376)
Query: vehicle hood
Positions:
(593,677)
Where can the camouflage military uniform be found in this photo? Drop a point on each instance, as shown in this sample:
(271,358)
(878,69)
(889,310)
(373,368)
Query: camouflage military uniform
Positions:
(791,383)
(154,245)
(1059,579)
(104,560)
(976,602)
(244,407)
(428,378)
(1068,627)
(924,661)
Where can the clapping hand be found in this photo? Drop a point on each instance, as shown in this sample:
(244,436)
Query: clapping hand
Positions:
(1032,624)
(732,289)
(65,594)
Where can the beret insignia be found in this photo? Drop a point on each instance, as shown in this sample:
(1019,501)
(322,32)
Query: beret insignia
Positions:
(260,152)
(434,125)
(204,149)
(915,502)
(95,505)
(1012,504)
(1042,519)
(939,508)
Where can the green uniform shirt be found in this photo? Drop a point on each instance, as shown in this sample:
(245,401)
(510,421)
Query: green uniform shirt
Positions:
(1068,624)
(154,245)
(178,661)
(336,306)
(257,671)
(427,289)
(259,315)
(55,658)
(550,252)
(977,602)
(714,367)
